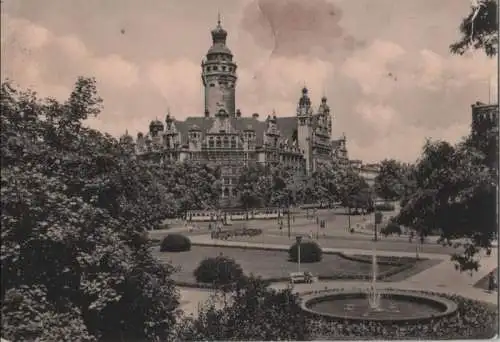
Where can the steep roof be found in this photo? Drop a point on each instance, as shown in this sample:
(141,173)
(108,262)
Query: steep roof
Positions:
(286,126)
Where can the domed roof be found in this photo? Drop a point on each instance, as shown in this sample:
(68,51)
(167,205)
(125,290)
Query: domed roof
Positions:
(219,48)
(304,101)
(219,34)
(156,124)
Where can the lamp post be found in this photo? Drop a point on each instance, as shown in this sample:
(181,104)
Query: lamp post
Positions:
(378,220)
(299,240)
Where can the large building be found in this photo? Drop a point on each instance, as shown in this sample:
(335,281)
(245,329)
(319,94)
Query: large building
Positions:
(223,136)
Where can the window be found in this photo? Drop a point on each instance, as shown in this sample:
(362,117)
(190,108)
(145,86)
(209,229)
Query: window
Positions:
(216,68)
(226,192)
(233,142)
(208,68)
(211,142)
(226,142)
(223,68)
(212,85)
(235,193)
(217,142)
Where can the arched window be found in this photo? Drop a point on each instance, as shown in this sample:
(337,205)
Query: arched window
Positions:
(226,142)
(235,193)
(217,142)
(226,192)
(233,142)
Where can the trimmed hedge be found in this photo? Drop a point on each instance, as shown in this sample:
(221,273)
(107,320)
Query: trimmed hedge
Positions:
(220,270)
(310,251)
(175,243)
(385,207)
(391,228)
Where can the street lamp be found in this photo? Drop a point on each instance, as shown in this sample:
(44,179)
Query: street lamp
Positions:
(378,220)
(299,240)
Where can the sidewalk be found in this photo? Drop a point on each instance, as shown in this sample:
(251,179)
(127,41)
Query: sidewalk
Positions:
(205,240)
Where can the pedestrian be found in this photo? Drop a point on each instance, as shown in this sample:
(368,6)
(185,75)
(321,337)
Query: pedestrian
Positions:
(491,282)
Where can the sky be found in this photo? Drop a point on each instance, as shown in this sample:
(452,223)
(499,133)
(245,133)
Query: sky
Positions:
(384,65)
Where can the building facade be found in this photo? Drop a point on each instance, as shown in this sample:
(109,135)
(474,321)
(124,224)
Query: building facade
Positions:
(223,136)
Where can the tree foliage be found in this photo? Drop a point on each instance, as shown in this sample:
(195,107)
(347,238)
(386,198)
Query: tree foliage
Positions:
(256,313)
(479,29)
(75,206)
(455,193)
(390,181)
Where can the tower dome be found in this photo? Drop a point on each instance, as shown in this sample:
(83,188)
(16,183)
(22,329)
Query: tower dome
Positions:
(304,101)
(219,35)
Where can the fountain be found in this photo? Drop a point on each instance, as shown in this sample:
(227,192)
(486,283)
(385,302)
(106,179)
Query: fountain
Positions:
(373,293)
(374,304)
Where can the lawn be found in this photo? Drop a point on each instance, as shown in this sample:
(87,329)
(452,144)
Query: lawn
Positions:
(267,264)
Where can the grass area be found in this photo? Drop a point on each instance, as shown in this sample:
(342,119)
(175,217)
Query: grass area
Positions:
(268,264)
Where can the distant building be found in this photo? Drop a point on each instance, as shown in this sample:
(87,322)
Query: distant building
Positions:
(367,171)
(222,135)
(484,130)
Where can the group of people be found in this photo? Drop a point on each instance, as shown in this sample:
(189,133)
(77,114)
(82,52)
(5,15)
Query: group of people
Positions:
(473,320)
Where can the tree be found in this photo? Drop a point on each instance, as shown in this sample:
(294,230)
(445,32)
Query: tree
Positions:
(256,312)
(479,29)
(248,186)
(455,194)
(389,183)
(75,207)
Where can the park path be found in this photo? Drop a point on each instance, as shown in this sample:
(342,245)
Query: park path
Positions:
(442,277)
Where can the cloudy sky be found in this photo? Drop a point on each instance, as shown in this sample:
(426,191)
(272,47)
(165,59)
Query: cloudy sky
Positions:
(383,64)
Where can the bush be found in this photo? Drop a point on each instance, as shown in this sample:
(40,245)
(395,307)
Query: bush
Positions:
(391,228)
(385,207)
(220,270)
(310,251)
(175,243)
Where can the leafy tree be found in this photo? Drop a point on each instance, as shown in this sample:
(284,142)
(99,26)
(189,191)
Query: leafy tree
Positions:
(256,312)
(249,186)
(455,194)
(479,29)
(389,183)
(75,207)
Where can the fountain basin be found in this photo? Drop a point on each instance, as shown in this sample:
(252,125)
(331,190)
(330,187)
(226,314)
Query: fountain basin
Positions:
(395,306)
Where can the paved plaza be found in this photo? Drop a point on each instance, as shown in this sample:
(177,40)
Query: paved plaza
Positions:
(443,277)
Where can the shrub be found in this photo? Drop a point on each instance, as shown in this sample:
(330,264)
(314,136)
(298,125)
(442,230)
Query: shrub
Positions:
(391,228)
(310,251)
(220,270)
(385,207)
(175,243)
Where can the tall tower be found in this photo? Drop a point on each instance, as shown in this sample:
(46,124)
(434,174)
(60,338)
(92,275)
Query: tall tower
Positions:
(219,75)
(304,129)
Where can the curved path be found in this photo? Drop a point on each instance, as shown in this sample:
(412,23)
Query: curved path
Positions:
(442,277)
